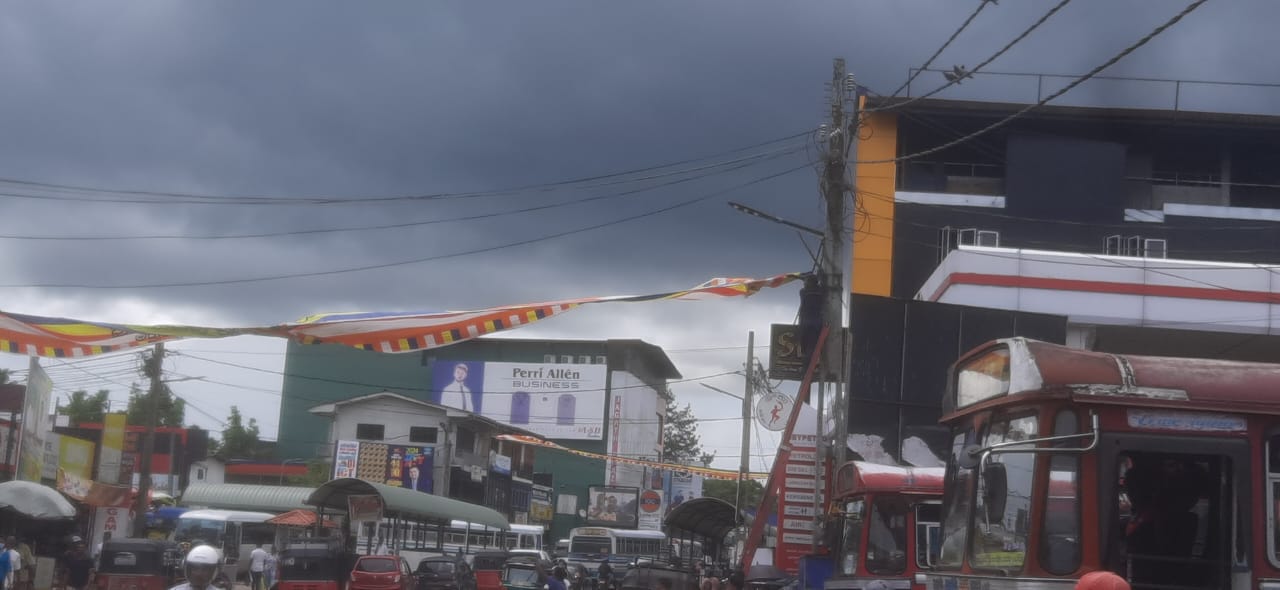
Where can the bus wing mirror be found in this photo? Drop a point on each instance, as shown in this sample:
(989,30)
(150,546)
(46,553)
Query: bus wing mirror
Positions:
(970,456)
(975,456)
(995,482)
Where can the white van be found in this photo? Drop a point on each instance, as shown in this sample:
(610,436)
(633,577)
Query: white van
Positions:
(233,533)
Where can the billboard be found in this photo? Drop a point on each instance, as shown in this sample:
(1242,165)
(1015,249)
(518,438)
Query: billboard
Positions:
(613,506)
(556,401)
(75,466)
(540,509)
(401,466)
(411,467)
(682,488)
(35,423)
(112,451)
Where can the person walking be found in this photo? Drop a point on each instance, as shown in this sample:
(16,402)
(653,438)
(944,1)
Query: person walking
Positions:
(27,576)
(257,564)
(15,562)
(79,566)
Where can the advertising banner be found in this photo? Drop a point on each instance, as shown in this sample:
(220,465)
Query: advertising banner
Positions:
(112,451)
(411,467)
(613,506)
(345,458)
(682,488)
(49,468)
(75,466)
(114,520)
(540,504)
(557,401)
(35,422)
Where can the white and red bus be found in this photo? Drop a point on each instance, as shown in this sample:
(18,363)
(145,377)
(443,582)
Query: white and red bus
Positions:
(1165,471)
(885,524)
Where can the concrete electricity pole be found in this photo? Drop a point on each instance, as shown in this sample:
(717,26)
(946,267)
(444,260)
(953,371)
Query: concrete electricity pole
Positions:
(744,461)
(154,369)
(841,136)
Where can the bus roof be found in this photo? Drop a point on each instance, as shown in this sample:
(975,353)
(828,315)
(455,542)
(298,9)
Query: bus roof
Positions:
(862,477)
(599,531)
(227,515)
(1012,366)
(514,528)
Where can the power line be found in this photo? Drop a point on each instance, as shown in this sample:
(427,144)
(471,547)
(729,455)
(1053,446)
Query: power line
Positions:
(403,225)
(1080,80)
(967,73)
(543,238)
(981,5)
(215,199)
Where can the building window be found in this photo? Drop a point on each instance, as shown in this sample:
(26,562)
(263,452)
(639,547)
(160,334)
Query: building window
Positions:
(466,440)
(602,360)
(423,434)
(200,474)
(566,358)
(370,431)
(584,359)
(548,358)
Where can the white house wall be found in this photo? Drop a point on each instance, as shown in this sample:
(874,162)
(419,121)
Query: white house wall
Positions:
(396,416)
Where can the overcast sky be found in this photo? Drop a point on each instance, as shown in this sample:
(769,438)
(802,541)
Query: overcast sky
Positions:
(356,100)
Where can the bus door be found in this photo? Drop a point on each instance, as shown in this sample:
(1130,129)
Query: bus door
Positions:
(1175,510)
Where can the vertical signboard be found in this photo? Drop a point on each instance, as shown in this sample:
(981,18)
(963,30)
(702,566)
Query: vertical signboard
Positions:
(796,508)
(35,422)
(681,488)
(346,457)
(112,519)
(75,466)
(540,510)
(651,510)
(111,451)
(52,450)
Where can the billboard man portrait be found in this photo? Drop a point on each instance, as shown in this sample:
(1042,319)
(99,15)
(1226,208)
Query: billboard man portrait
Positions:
(460,385)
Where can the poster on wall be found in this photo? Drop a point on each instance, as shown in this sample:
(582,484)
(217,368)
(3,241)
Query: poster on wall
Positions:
(540,504)
(613,506)
(557,401)
(35,422)
(411,467)
(345,456)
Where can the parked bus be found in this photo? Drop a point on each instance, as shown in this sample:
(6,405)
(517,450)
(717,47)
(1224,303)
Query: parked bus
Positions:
(589,546)
(1165,471)
(233,533)
(885,523)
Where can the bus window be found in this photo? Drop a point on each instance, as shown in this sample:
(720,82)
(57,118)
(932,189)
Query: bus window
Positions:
(887,536)
(255,534)
(1003,502)
(1060,543)
(851,543)
(928,535)
(958,503)
(1273,499)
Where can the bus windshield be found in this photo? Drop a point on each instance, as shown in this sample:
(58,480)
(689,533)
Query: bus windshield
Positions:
(590,546)
(199,531)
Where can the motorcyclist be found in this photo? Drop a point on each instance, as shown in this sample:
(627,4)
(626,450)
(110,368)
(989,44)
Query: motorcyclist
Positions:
(605,574)
(200,567)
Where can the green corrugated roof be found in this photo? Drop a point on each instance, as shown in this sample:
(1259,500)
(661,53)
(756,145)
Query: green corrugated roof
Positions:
(233,496)
(406,503)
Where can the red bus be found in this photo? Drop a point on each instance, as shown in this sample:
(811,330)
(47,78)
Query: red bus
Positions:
(1165,471)
(885,523)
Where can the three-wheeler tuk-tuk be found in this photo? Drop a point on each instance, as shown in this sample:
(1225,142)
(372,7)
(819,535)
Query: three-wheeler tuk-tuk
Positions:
(137,564)
(310,565)
(521,573)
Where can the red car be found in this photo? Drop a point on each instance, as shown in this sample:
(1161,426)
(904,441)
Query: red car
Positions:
(381,572)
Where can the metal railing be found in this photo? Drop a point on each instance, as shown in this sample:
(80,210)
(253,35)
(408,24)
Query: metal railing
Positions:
(1176,86)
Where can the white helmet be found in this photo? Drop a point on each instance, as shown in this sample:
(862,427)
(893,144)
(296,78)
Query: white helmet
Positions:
(203,555)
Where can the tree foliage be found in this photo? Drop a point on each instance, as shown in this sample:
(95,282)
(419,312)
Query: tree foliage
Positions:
(83,407)
(728,491)
(170,411)
(239,441)
(680,440)
(318,473)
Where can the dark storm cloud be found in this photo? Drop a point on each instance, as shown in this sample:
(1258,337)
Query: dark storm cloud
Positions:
(401,98)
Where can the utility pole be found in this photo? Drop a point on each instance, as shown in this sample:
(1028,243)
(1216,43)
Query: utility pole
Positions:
(744,462)
(153,367)
(841,138)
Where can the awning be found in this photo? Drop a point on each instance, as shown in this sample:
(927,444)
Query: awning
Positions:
(405,503)
(711,518)
(232,496)
(35,501)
